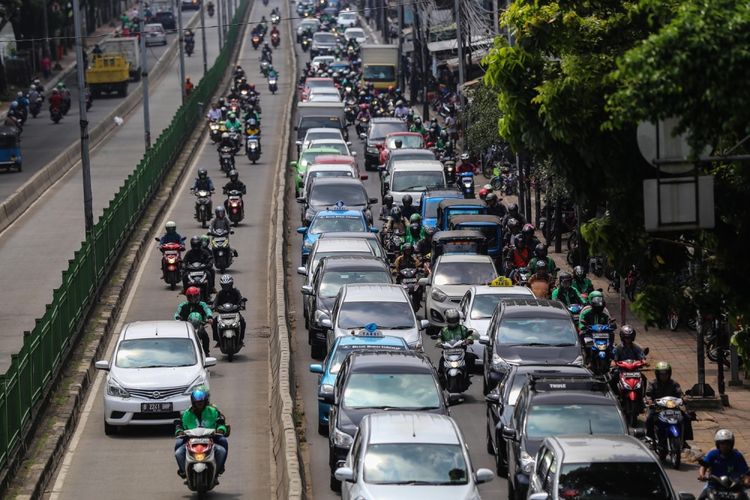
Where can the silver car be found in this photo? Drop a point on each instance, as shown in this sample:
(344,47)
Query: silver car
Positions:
(413,178)
(398,455)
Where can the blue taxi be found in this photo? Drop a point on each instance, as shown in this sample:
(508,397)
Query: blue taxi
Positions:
(337,219)
(370,338)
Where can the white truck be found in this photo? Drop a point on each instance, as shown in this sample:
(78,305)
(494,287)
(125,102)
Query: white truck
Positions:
(380,65)
(128,47)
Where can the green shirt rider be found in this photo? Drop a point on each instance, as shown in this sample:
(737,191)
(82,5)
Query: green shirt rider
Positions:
(565,293)
(454,330)
(415,232)
(595,313)
(581,283)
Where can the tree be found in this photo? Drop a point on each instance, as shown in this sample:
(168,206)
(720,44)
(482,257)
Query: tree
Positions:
(482,117)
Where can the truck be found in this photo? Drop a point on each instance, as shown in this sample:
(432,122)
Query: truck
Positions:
(128,47)
(108,73)
(380,65)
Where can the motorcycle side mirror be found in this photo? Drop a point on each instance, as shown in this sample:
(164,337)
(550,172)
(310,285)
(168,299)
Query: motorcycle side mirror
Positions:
(307,290)
(646,351)
(637,433)
(353,153)
(363,136)
(373,200)
(348,143)
(686,496)
(316,368)
(454,399)
(300,200)
(298,143)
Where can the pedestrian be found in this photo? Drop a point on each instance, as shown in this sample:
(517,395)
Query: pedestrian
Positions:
(124,20)
(188,87)
(85,59)
(46,66)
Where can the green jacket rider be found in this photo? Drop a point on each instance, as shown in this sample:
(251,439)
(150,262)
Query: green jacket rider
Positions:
(565,293)
(581,283)
(595,313)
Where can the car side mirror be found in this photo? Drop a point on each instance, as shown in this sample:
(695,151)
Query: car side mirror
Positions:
(307,290)
(539,496)
(353,154)
(484,339)
(102,365)
(316,368)
(300,200)
(493,398)
(374,230)
(326,322)
(301,230)
(302,271)
(349,143)
(484,476)
(326,397)
(344,474)
(637,433)
(509,434)
(292,164)
(372,200)
(210,361)
(298,143)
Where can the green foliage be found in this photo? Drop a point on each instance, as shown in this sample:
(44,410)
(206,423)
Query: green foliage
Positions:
(482,117)
(741,340)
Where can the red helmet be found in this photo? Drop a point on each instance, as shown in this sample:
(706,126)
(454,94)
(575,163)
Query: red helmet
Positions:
(192,291)
(363,106)
(483,193)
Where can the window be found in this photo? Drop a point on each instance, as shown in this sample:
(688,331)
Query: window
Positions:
(330,194)
(484,305)
(379,73)
(421,464)
(342,351)
(464,273)
(530,331)
(156,353)
(387,315)
(407,391)
(544,463)
(416,181)
(553,420)
(337,224)
(549,480)
(334,280)
(613,480)
(378,131)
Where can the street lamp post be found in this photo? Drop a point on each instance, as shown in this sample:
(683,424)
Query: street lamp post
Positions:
(180,42)
(203,40)
(144,78)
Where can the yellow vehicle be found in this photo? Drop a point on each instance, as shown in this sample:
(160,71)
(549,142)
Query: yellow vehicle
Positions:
(108,73)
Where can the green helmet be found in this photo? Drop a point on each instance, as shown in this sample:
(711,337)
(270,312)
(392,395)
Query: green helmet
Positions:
(663,367)
(596,299)
(196,319)
(205,240)
(61,85)
(415,218)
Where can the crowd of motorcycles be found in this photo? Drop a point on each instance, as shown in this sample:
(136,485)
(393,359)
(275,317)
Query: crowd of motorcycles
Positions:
(30,102)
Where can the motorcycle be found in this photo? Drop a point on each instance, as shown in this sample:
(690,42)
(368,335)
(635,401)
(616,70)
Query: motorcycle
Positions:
(275,40)
(449,167)
(226,159)
(467,184)
(725,488)
(273,85)
(598,340)
(409,279)
(55,114)
(275,19)
(201,469)
(351,116)
(235,207)
(631,388)
(223,253)
(669,429)
(392,243)
(255,41)
(229,326)
(252,148)
(171,262)
(454,374)
(234,136)
(35,107)
(520,276)
(305,44)
(189,46)
(264,65)
(575,312)
(203,206)
(362,126)
(196,274)
(214,129)
(210,9)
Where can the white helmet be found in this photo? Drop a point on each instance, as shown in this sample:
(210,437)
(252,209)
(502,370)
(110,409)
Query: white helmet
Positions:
(722,436)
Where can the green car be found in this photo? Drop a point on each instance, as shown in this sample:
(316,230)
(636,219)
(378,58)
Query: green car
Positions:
(307,158)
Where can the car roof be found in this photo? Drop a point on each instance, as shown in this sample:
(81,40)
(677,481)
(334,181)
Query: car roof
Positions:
(318,79)
(335,158)
(329,167)
(323,130)
(338,181)
(417,165)
(390,362)
(353,263)
(387,119)
(325,90)
(339,213)
(373,293)
(402,133)
(523,369)
(464,258)
(353,28)
(327,140)
(342,244)
(501,290)
(350,235)
(151,329)
(601,448)
(573,397)
(531,307)
(411,427)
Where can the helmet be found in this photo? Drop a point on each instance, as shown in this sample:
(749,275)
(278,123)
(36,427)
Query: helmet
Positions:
(399,103)
(464,156)
(540,251)
(452,317)
(220,212)
(443,134)
(596,299)
(513,225)
(483,193)
(513,208)
(528,230)
(199,394)
(205,240)
(55,91)
(196,319)
(627,332)
(565,279)
(192,292)
(663,367)
(491,198)
(225,135)
(396,213)
(541,266)
(232,116)
(252,86)
(388,200)
(170,226)
(406,200)
(398,143)
(723,436)
(415,219)
(418,120)
(407,249)
(61,85)
(226,281)
(579,273)
(13,105)
(195,242)
(233,175)
(202,173)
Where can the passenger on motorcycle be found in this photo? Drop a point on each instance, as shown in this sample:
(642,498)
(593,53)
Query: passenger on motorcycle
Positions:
(417,126)
(198,253)
(580,282)
(443,142)
(408,209)
(452,331)
(396,222)
(725,460)
(523,246)
(234,184)
(627,348)
(513,213)
(385,210)
(565,293)
(228,295)
(201,414)
(512,229)
(424,246)
(595,313)
(401,110)
(407,260)
(171,235)
(203,182)
(663,386)
(540,255)
(194,304)
(494,207)
(415,231)
(364,112)
(541,281)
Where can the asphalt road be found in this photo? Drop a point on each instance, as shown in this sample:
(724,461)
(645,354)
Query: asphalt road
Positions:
(35,249)
(470,415)
(42,140)
(140,462)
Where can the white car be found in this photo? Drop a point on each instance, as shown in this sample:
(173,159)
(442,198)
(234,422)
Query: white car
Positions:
(478,305)
(357,33)
(155,34)
(155,367)
(398,455)
(347,19)
(339,144)
(413,178)
(328,170)
(318,60)
(324,94)
(318,133)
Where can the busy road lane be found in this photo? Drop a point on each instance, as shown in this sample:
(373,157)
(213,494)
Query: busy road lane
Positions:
(238,388)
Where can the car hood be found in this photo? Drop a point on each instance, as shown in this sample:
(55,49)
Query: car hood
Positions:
(453,291)
(400,491)
(156,378)
(349,419)
(539,354)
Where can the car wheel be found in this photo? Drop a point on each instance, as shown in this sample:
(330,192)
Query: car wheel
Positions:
(110,430)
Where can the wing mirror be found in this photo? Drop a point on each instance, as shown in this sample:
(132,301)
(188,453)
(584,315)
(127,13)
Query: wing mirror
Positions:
(102,365)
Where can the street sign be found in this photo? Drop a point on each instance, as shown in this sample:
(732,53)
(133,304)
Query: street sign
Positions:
(663,149)
(678,203)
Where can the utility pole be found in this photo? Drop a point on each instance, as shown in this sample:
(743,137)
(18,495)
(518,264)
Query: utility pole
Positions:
(218,19)
(144,76)
(384,21)
(46,49)
(88,211)
(461,67)
(425,78)
(203,39)
(495,17)
(181,44)
(402,73)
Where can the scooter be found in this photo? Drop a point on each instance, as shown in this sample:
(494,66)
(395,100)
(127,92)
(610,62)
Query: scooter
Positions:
(466,181)
(210,9)
(223,253)
(229,324)
(235,207)
(255,41)
(196,274)
(171,262)
(252,148)
(214,128)
(454,374)
(201,469)
(55,114)
(598,341)
(725,488)
(275,40)
(275,19)
(409,279)
(203,206)
(631,387)
(669,429)
(226,159)
(189,46)
(35,107)
(273,85)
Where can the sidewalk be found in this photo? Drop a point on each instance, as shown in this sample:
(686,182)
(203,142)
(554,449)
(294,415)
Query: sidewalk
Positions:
(679,349)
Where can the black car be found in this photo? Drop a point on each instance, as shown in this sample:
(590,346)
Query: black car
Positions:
(331,274)
(378,129)
(326,192)
(167,20)
(374,382)
(502,400)
(528,331)
(305,123)
(553,405)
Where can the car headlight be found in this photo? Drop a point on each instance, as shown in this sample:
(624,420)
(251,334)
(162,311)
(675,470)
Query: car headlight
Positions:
(326,389)
(527,463)
(115,389)
(438,295)
(341,439)
(199,381)
(578,361)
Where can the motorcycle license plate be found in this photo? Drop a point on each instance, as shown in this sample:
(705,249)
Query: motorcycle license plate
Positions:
(453,352)
(409,281)
(632,375)
(156,407)
(600,336)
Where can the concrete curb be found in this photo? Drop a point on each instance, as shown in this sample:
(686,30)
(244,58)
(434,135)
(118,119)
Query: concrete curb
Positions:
(17,203)
(285,459)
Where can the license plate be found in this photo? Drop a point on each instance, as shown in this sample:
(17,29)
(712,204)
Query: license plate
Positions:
(632,375)
(408,281)
(156,407)
(601,336)
(453,352)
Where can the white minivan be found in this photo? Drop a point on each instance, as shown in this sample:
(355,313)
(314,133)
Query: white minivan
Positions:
(413,178)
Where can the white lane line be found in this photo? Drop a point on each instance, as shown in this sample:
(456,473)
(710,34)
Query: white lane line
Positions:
(57,489)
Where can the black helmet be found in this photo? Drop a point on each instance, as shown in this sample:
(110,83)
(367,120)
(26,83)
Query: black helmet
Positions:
(528,230)
(627,332)
(388,200)
(513,208)
(406,200)
(565,279)
(491,198)
(407,249)
(513,224)
(540,251)
(195,242)
(233,175)
(202,173)
(579,273)
(398,143)
(396,213)
(452,317)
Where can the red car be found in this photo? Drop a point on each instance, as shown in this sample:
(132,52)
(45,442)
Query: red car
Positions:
(409,140)
(338,159)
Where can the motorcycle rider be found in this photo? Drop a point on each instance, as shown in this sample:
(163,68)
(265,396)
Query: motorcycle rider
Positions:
(201,414)
(194,304)
(417,126)
(424,246)
(452,331)
(275,31)
(627,348)
(198,253)
(725,460)
(407,260)
(541,281)
(55,100)
(221,222)
(514,214)
(540,255)
(415,231)
(189,39)
(512,229)
(494,207)
(228,295)
(663,386)
(581,283)
(234,184)
(595,313)
(266,53)
(238,72)
(225,142)
(401,110)
(522,246)
(385,210)
(396,222)
(233,124)
(565,293)
(171,235)
(214,114)
(203,182)
(407,208)
(15,115)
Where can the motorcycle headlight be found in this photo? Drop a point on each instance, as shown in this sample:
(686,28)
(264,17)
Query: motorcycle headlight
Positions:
(199,381)
(341,439)
(527,463)
(115,389)
(454,364)
(438,296)
(601,347)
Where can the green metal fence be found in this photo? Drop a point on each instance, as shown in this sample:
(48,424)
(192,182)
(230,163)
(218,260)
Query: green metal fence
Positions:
(46,345)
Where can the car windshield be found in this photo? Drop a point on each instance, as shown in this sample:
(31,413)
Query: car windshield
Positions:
(378,131)
(348,15)
(355,34)
(431,207)
(392,390)
(320,255)
(410,463)
(387,315)
(343,351)
(308,156)
(324,38)
(321,84)
(337,224)
(378,73)
(338,146)
(333,280)
(412,181)
(464,273)
(613,480)
(531,331)
(155,353)
(330,194)
(328,173)
(484,305)
(558,419)
(323,134)
(407,141)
